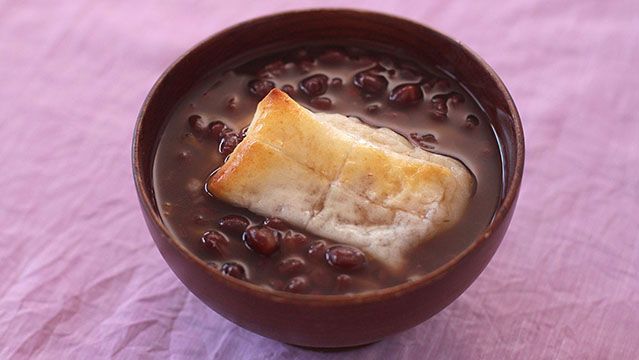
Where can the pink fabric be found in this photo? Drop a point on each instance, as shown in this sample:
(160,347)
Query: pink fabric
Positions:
(80,275)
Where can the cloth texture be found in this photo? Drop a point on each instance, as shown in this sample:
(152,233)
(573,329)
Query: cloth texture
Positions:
(81,277)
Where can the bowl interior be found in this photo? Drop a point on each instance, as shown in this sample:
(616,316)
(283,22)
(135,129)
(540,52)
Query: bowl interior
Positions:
(287,29)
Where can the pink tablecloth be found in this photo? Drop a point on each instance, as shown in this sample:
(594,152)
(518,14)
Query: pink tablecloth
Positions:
(81,278)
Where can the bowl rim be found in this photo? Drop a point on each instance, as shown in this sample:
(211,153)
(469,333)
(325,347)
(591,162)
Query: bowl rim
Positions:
(146,197)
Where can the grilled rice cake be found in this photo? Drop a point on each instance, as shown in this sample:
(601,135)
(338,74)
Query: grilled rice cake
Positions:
(341,179)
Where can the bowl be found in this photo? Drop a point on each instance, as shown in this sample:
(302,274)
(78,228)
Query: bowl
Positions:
(329,320)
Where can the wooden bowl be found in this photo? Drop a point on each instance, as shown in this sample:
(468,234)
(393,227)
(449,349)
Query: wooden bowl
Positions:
(329,320)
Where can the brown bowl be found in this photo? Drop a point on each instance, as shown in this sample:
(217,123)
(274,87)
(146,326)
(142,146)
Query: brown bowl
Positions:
(329,320)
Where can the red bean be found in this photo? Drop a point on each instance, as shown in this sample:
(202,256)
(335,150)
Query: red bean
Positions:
(322,103)
(218,129)
(291,266)
(198,124)
(233,224)
(215,242)
(337,83)
(425,141)
(263,240)
(471,122)
(298,284)
(317,250)
(289,89)
(294,241)
(439,105)
(234,269)
(276,223)
(406,95)
(370,82)
(229,143)
(345,257)
(315,85)
(260,87)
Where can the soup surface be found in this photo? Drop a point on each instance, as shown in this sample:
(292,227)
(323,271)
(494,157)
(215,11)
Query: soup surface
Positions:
(383,89)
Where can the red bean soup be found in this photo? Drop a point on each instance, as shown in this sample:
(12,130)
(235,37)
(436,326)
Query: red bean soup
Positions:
(383,88)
